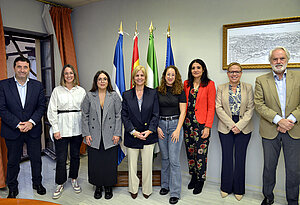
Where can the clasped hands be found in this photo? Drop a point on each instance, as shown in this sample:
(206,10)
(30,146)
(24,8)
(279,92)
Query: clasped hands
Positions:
(235,130)
(285,125)
(25,126)
(142,135)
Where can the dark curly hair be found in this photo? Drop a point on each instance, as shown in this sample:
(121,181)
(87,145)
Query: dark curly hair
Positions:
(204,78)
(177,85)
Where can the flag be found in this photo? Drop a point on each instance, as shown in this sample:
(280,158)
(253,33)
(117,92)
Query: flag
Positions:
(118,77)
(169,57)
(151,61)
(135,55)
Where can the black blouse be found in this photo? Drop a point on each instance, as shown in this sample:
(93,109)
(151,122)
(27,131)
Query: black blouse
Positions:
(169,103)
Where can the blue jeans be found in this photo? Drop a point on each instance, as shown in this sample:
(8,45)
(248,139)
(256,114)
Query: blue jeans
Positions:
(170,154)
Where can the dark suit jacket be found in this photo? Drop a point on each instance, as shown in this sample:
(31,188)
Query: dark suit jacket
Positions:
(12,112)
(147,119)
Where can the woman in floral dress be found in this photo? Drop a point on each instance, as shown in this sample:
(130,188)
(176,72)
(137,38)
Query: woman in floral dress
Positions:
(200,94)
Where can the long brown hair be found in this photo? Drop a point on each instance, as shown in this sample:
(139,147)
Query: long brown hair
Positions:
(177,85)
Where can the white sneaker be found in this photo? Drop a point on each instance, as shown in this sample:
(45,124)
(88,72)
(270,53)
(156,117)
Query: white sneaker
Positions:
(58,192)
(75,186)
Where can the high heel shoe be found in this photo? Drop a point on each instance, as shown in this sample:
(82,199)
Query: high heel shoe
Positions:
(223,194)
(238,197)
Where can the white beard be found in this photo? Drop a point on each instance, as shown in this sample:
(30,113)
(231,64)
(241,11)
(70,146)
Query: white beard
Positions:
(279,70)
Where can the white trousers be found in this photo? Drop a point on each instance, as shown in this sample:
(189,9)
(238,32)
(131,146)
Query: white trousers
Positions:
(147,161)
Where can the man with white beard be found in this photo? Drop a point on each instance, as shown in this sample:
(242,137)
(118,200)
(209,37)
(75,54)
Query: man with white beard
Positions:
(277,100)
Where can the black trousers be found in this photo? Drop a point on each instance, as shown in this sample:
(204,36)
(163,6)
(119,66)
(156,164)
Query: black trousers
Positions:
(61,150)
(291,152)
(234,149)
(14,153)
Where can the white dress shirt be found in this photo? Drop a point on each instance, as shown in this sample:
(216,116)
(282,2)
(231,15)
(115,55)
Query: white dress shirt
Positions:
(63,99)
(22,90)
(281,91)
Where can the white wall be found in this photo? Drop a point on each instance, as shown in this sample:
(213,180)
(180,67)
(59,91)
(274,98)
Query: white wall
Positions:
(196,32)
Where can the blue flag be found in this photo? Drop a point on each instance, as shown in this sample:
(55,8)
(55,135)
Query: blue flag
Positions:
(119,79)
(119,66)
(169,57)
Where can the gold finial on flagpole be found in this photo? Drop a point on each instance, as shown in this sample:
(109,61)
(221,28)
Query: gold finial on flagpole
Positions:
(168,32)
(121,28)
(151,27)
(136,26)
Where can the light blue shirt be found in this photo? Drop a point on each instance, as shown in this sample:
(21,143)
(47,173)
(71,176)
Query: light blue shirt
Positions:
(281,91)
(22,90)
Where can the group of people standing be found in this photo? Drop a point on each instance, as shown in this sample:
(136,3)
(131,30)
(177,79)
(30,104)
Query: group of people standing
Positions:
(172,113)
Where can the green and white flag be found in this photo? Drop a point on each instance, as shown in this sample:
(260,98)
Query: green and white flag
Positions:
(152,71)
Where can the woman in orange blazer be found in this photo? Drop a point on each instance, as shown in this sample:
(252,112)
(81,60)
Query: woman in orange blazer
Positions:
(200,96)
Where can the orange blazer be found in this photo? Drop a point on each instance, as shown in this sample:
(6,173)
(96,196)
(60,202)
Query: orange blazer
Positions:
(205,103)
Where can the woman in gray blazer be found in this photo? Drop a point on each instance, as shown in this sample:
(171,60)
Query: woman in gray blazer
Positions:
(234,107)
(101,127)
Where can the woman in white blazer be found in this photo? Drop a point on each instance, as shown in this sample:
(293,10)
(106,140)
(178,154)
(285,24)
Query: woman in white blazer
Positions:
(234,108)
(102,129)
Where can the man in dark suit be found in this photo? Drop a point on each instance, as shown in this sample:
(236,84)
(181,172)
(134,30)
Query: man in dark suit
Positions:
(277,100)
(22,105)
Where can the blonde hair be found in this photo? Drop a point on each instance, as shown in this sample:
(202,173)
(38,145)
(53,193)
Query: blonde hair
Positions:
(136,70)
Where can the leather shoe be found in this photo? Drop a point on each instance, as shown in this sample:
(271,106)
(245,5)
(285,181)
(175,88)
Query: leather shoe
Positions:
(133,195)
(13,194)
(164,191)
(98,193)
(267,201)
(146,196)
(173,200)
(39,189)
(108,192)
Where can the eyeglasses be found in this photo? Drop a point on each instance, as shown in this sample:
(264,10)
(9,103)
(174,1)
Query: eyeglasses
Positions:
(234,72)
(102,79)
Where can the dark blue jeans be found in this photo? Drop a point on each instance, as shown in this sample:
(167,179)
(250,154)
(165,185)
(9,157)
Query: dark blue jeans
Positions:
(61,150)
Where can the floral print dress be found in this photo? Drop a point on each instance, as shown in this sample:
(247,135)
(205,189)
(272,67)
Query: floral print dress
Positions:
(196,147)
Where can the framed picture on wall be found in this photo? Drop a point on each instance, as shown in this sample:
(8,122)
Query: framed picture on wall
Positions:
(249,43)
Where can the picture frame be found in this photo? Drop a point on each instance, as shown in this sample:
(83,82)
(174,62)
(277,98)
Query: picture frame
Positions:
(249,43)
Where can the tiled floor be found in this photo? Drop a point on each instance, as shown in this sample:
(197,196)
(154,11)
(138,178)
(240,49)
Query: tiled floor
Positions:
(209,196)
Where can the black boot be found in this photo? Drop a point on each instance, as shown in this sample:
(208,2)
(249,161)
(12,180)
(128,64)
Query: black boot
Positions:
(98,193)
(108,192)
(198,187)
(193,181)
